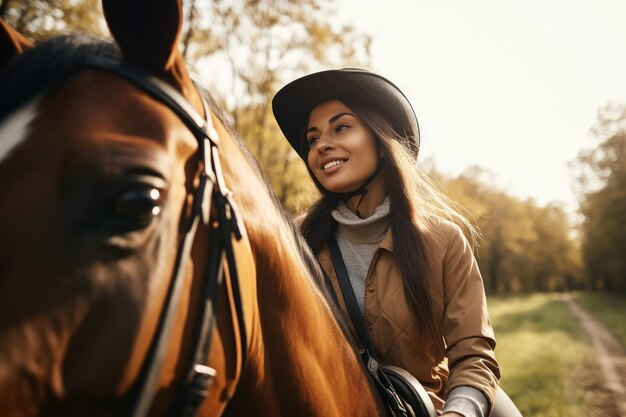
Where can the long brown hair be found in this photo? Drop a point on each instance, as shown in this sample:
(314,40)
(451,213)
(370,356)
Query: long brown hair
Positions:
(415,203)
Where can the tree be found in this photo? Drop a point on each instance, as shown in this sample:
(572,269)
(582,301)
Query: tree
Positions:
(525,247)
(282,165)
(602,188)
(555,254)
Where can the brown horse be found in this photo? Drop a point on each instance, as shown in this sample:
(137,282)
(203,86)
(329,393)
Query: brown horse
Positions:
(101,181)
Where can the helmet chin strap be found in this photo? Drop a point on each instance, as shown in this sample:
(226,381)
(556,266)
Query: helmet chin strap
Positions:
(362,190)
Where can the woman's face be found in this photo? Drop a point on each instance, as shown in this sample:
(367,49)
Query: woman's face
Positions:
(342,149)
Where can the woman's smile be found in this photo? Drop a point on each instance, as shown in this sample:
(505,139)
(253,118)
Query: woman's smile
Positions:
(342,149)
(333,166)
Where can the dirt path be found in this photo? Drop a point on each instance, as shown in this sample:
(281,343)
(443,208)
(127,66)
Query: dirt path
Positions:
(609,352)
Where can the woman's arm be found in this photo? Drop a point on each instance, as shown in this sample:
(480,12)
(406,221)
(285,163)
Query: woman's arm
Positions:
(467,330)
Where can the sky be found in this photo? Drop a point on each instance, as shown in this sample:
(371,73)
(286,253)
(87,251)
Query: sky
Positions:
(512,86)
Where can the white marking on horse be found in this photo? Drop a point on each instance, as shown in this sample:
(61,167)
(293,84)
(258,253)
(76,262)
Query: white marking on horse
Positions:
(14,129)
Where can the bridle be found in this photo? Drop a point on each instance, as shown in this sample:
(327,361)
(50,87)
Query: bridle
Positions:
(210,196)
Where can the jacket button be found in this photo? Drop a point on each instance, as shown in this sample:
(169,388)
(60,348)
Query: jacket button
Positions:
(371,289)
(370,329)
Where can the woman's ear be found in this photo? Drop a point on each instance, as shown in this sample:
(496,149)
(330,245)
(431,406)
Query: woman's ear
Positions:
(12,43)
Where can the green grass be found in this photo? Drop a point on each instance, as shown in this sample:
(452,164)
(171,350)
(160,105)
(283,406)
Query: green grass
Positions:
(546,360)
(610,309)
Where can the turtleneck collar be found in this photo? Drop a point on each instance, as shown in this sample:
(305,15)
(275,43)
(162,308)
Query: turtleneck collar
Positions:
(369,230)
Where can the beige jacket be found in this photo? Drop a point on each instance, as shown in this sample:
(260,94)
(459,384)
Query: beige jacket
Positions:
(459,307)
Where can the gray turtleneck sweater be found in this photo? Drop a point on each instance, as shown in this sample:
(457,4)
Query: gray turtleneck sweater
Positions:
(358,239)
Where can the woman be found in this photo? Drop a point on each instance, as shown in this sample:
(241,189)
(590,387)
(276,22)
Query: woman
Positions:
(411,268)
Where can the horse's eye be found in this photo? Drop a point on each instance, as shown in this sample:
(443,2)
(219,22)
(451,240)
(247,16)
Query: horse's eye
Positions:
(138,206)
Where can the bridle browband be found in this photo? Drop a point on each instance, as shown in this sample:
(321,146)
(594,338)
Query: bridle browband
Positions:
(211,192)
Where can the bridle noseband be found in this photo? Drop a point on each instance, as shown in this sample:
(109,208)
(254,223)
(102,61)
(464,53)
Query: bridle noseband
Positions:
(210,193)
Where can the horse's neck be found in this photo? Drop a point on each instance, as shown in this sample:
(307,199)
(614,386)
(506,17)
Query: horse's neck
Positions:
(300,361)
(299,357)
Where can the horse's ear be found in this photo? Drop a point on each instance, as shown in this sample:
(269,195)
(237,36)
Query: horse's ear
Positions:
(147,31)
(11,43)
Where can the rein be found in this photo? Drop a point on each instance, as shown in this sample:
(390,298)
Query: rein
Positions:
(211,192)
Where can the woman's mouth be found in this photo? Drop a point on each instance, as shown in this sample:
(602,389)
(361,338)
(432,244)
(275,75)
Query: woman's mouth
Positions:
(332,164)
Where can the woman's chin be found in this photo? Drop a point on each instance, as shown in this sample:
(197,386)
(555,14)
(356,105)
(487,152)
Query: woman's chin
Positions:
(342,189)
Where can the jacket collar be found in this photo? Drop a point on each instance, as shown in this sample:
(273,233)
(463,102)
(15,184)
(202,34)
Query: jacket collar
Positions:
(387,242)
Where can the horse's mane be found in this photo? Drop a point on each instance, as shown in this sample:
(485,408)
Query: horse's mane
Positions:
(45,68)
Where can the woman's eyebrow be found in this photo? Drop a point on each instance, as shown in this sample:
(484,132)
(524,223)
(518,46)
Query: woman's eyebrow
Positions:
(337,116)
(331,120)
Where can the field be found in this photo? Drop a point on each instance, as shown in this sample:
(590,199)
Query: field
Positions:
(547,363)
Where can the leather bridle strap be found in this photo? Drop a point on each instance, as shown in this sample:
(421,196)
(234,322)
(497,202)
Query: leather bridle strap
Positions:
(211,189)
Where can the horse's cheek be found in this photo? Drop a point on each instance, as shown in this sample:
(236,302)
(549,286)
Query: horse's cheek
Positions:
(110,340)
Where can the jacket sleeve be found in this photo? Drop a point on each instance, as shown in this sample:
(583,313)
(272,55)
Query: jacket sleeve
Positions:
(467,330)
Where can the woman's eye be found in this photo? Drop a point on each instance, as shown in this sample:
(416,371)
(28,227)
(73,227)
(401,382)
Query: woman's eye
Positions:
(135,208)
(312,140)
(340,127)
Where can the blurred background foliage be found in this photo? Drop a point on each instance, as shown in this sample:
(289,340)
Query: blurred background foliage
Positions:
(41,19)
(246,50)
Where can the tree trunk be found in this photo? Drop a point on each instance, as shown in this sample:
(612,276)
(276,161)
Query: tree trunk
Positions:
(494,271)
(4,5)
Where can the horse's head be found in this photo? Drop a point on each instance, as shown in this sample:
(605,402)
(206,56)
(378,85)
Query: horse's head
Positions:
(112,206)
(98,217)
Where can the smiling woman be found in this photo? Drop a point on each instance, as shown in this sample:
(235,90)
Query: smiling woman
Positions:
(419,302)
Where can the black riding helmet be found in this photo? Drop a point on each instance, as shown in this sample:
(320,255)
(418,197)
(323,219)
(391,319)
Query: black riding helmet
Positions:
(292,105)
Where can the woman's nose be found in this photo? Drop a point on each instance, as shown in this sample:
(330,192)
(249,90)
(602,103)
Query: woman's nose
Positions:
(324,145)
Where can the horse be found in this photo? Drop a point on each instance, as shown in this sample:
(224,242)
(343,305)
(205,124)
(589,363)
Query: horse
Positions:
(146,269)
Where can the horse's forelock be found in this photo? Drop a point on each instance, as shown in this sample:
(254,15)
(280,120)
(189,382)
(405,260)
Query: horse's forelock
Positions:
(46,67)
